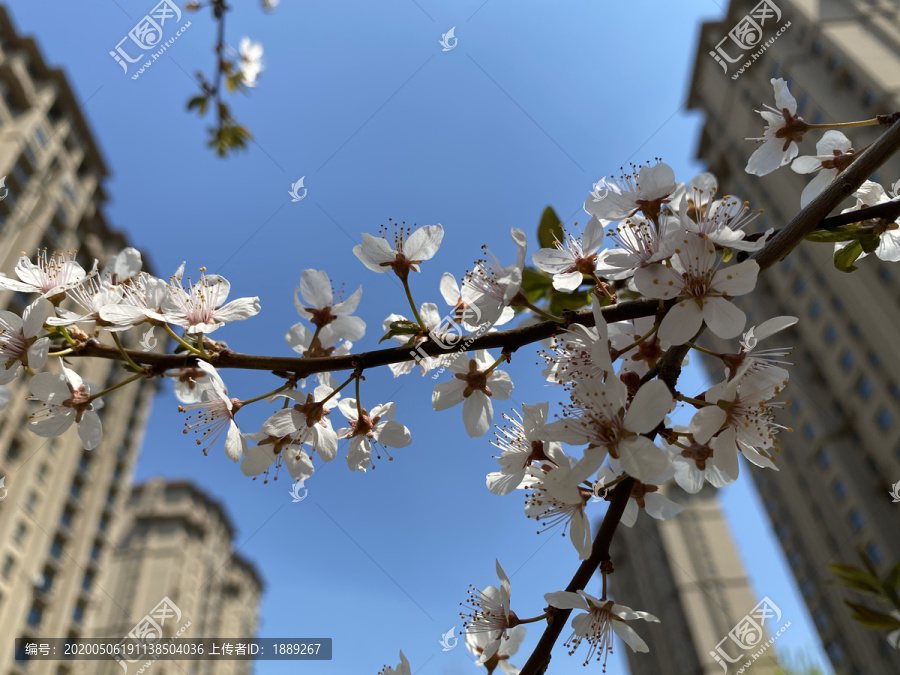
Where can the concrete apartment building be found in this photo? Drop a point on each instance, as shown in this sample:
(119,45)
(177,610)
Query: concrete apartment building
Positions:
(176,543)
(687,572)
(62,503)
(841,60)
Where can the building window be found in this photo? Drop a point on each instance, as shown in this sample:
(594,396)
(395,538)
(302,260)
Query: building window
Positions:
(847,359)
(823,459)
(95,551)
(869,98)
(819,117)
(815,309)
(809,431)
(795,559)
(42,472)
(821,619)
(56,550)
(885,274)
(808,588)
(864,388)
(854,329)
(835,652)
(830,334)
(840,488)
(884,419)
(32,502)
(837,303)
(8,564)
(78,614)
(893,389)
(856,520)
(874,359)
(87,582)
(799,286)
(873,552)
(13,451)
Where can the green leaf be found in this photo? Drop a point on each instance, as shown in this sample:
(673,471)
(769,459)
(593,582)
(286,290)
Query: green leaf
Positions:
(402,327)
(560,301)
(845,257)
(727,255)
(855,578)
(201,103)
(893,579)
(841,233)
(549,229)
(536,284)
(873,619)
(869,242)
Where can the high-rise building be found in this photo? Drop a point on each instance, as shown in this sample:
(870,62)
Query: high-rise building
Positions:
(59,503)
(176,545)
(842,63)
(687,572)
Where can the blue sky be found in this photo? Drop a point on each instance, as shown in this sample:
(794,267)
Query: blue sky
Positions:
(531,107)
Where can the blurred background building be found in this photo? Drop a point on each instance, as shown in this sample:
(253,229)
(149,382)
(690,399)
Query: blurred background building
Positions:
(842,63)
(686,572)
(62,508)
(176,543)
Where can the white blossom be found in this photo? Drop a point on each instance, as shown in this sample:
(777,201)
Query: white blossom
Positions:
(701,288)
(494,286)
(834,153)
(490,614)
(67,400)
(646,190)
(572,258)
(201,307)
(638,243)
(601,619)
(251,63)
(410,248)
(19,344)
(784,130)
(401,669)
(366,429)
(213,414)
(475,383)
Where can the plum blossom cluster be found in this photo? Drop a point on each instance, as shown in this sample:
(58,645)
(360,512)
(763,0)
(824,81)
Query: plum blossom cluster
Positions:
(617,428)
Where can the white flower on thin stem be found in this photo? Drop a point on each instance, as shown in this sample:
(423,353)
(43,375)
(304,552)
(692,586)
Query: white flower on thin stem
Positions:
(784,130)
(490,614)
(190,383)
(50,277)
(598,417)
(201,307)
(475,382)
(646,190)
(140,299)
(284,451)
(215,414)
(476,643)
(328,342)
(314,301)
(410,248)
(751,360)
(494,286)
(597,625)
(638,244)
(572,258)
(833,154)
(251,64)
(559,500)
(702,289)
(366,430)
(401,669)
(93,297)
(520,443)
(871,194)
(67,400)
(19,344)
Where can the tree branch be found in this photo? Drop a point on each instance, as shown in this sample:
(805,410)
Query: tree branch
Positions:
(510,340)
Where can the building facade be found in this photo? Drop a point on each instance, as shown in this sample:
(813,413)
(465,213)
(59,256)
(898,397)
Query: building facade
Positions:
(686,572)
(176,544)
(60,504)
(841,60)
